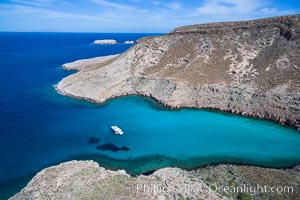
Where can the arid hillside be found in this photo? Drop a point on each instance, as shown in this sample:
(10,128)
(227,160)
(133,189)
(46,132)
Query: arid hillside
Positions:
(251,68)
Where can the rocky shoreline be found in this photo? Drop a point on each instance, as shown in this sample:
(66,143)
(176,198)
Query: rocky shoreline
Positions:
(243,70)
(87,180)
(237,67)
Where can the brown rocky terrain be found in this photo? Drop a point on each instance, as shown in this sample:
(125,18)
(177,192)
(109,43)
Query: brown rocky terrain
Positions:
(250,68)
(86,180)
(83,63)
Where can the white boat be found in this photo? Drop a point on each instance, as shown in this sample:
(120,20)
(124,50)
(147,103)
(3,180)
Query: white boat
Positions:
(117,130)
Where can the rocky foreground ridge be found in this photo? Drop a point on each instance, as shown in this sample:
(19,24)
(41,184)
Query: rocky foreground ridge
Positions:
(86,180)
(251,68)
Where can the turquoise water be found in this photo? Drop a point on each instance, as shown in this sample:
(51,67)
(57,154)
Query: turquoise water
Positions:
(158,137)
(40,128)
(185,137)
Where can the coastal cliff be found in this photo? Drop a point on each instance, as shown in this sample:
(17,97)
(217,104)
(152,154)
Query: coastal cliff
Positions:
(87,180)
(250,68)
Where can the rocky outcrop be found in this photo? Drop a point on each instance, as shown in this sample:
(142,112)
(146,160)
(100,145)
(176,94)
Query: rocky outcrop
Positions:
(106,41)
(85,63)
(250,68)
(86,180)
(283,23)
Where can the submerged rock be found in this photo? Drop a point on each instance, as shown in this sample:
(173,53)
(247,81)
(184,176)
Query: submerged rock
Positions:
(111,147)
(239,67)
(93,140)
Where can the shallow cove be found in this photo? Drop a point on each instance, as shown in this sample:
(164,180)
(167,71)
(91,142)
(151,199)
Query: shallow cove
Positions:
(40,128)
(159,137)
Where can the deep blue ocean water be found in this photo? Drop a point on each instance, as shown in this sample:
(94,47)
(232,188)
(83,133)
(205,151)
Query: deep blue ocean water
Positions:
(39,127)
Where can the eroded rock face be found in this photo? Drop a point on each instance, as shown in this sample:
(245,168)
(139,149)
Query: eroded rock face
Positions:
(86,180)
(251,68)
(85,63)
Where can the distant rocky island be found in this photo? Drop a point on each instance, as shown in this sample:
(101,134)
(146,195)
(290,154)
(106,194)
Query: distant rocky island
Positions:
(251,68)
(111,41)
(129,42)
(106,41)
